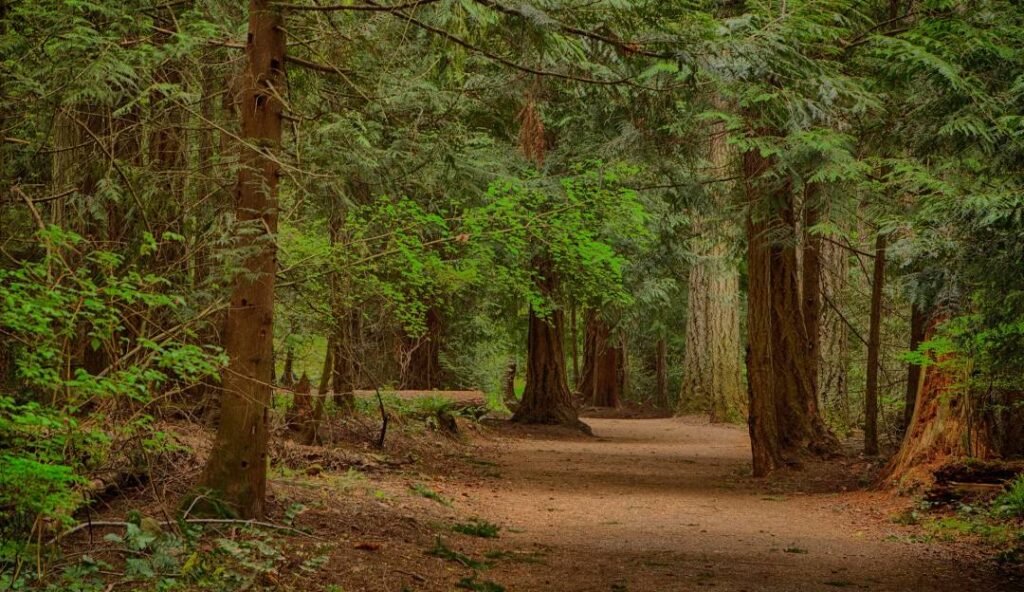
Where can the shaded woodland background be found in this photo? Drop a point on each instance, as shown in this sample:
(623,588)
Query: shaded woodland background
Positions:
(801,215)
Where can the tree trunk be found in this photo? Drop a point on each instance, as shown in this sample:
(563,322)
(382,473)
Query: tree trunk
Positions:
(661,374)
(236,472)
(423,371)
(874,345)
(835,350)
(547,399)
(943,426)
(762,418)
(601,382)
(712,377)
(918,320)
(783,324)
(574,341)
(344,374)
(288,374)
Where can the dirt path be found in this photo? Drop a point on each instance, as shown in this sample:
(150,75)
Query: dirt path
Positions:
(664,505)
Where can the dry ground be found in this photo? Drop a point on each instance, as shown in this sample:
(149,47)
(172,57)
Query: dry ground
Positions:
(654,505)
(647,505)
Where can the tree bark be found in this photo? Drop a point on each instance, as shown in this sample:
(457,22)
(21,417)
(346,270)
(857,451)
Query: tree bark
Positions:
(944,425)
(762,418)
(712,377)
(874,345)
(236,472)
(661,374)
(835,350)
(601,382)
(574,341)
(783,323)
(423,371)
(547,399)
(918,320)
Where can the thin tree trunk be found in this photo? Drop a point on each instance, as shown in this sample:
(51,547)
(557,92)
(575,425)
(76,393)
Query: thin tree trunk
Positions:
(236,472)
(874,345)
(574,341)
(661,374)
(918,321)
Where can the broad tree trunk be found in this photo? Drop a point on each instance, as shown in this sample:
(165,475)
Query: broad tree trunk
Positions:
(547,399)
(762,417)
(874,345)
(944,425)
(712,377)
(236,472)
(601,382)
(345,372)
(423,371)
(784,307)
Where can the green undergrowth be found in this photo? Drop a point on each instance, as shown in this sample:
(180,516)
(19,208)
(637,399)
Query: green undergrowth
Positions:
(145,555)
(998,524)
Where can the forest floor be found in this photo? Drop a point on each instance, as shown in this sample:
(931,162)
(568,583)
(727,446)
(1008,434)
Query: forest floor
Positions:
(658,505)
(646,505)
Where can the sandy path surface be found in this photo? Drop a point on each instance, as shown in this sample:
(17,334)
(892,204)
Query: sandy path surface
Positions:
(664,505)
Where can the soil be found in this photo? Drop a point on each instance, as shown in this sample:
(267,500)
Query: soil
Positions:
(647,505)
(661,505)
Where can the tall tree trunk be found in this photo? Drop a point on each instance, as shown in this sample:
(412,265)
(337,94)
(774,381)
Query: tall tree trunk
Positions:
(236,472)
(784,319)
(547,399)
(762,418)
(712,380)
(601,382)
(918,321)
(874,345)
(574,341)
(423,371)
(835,350)
(345,372)
(661,374)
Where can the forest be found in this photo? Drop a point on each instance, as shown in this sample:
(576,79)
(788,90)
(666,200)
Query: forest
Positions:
(511,295)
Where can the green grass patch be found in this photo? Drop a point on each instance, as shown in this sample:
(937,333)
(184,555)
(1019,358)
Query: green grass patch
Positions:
(478,528)
(443,551)
(424,491)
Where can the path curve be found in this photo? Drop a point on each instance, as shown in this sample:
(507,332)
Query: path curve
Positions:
(665,505)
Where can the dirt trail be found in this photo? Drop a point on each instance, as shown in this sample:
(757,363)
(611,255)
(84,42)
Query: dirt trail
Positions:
(664,505)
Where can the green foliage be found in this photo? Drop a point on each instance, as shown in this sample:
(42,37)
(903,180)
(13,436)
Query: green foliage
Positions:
(443,551)
(424,491)
(1011,503)
(478,528)
(53,425)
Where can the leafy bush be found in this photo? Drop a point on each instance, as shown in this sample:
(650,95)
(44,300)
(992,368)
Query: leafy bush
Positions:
(71,306)
(1011,503)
